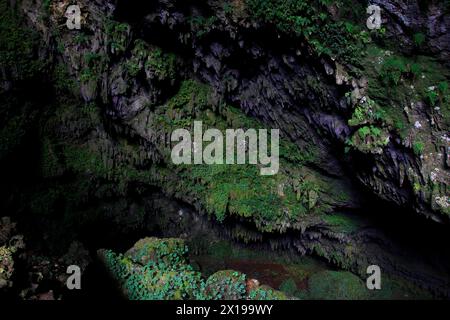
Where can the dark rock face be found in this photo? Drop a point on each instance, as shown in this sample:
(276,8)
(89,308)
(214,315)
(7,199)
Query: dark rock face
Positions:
(284,85)
(404,18)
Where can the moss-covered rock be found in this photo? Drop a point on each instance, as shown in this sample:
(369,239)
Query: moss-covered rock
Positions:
(336,285)
(167,251)
(226,285)
(157,269)
(267,293)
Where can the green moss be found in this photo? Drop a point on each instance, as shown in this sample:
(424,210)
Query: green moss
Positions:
(163,65)
(226,285)
(418,147)
(222,190)
(312,22)
(171,251)
(117,34)
(392,70)
(336,285)
(83,160)
(202,25)
(18,46)
(62,81)
(369,139)
(156,63)
(81,38)
(396,81)
(153,281)
(288,286)
(365,112)
(343,223)
(266,293)
(94,65)
(157,269)
(240,190)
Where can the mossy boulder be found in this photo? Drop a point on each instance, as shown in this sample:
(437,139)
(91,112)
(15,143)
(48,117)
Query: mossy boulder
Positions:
(267,293)
(336,285)
(288,286)
(158,279)
(226,284)
(170,251)
(157,269)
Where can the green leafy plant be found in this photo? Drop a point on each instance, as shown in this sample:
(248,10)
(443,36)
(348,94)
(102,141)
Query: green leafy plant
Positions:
(444,92)
(117,35)
(163,65)
(312,22)
(368,139)
(418,147)
(157,269)
(94,64)
(81,38)
(202,25)
(432,97)
(392,70)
